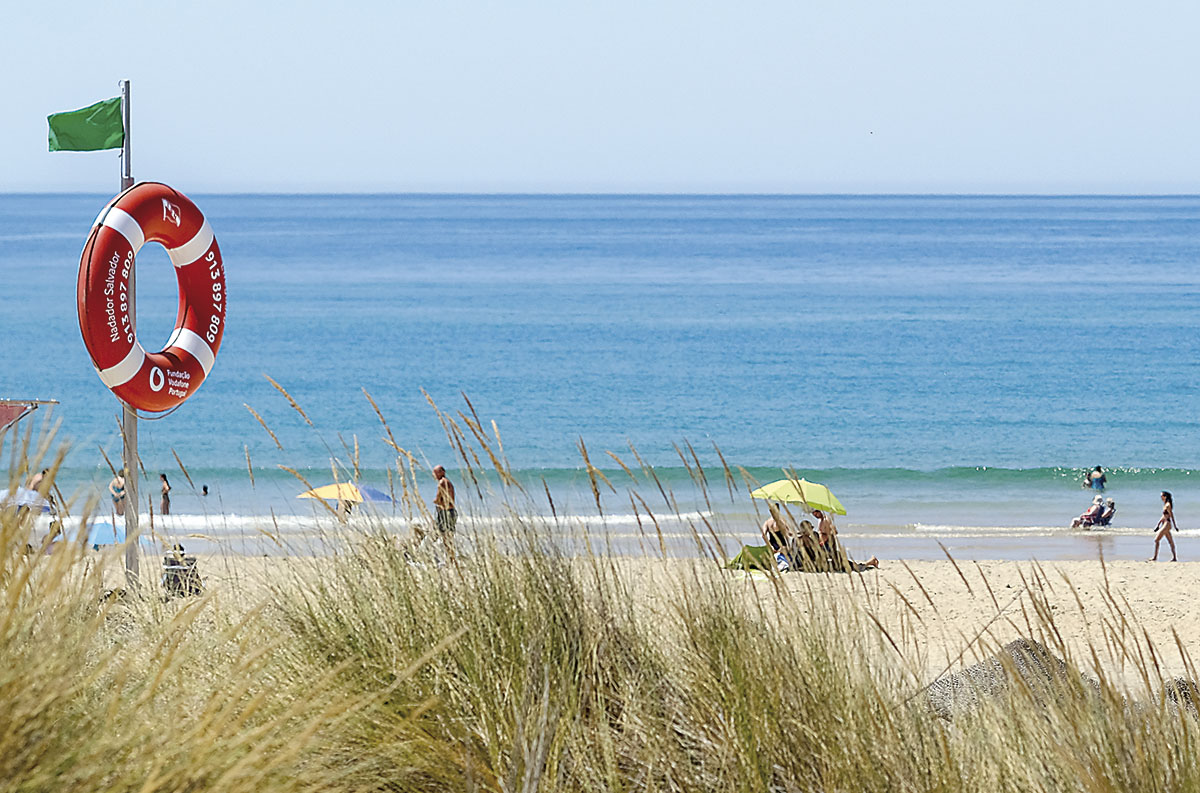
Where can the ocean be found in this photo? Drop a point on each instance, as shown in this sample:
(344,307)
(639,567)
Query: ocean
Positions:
(948,365)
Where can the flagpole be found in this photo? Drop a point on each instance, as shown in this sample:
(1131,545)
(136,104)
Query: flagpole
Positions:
(129,428)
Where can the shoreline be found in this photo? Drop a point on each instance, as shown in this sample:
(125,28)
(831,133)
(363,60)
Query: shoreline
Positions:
(315,534)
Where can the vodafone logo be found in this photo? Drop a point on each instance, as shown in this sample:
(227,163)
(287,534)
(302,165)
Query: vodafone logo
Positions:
(171,212)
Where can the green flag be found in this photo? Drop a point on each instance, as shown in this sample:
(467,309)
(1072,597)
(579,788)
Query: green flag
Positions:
(92,128)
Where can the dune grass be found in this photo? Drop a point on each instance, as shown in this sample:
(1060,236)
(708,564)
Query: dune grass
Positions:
(515,666)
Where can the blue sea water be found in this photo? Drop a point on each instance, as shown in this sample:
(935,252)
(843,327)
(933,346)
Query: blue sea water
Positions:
(948,365)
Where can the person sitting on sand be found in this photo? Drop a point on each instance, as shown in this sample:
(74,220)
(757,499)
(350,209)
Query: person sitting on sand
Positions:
(832,550)
(1090,517)
(826,530)
(775,535)
(1110,509)
(807,550)
(35,483)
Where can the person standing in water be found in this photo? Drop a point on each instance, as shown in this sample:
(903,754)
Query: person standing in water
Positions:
(1165,525)
(1095,479)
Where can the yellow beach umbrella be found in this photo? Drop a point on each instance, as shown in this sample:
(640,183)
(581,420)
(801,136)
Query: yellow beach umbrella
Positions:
(345,491)
(800,491)
(339,491)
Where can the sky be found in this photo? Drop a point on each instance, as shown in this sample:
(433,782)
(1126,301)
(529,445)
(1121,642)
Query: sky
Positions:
(853,96)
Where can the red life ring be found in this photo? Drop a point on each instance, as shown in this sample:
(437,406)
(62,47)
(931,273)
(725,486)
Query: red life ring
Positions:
(151,381)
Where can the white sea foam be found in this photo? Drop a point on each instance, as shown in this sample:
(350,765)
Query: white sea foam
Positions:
(227,524)
(960,530)
(317,532)
(923,529)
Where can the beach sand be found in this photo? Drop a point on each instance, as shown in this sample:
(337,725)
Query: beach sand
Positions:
(944,615)
(941,615)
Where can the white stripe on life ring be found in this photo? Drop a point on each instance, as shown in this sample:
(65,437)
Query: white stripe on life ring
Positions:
(123,372)
(122,222)
(188,341)
(100,218)
(194,248)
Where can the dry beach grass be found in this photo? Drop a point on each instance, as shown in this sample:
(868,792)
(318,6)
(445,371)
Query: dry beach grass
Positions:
(515,667)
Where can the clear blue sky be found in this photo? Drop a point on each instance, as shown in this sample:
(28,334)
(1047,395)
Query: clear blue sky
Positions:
(614,95)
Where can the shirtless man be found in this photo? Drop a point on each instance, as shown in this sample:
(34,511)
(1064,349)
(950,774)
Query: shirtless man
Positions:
(443,503)
(825,528)
(775,535)
(827,539)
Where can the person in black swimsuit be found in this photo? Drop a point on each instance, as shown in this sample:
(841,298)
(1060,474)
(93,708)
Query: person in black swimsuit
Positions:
(165,504)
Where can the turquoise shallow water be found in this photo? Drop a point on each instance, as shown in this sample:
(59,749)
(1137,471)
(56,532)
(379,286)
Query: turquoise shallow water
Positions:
(941,362)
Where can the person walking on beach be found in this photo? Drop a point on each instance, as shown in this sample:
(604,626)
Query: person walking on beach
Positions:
(1165,524)
(165,505)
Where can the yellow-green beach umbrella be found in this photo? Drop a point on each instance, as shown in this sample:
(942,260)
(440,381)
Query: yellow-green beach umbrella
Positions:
(800,491)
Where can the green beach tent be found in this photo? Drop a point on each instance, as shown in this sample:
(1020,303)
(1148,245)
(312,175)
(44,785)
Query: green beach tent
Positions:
(753,557)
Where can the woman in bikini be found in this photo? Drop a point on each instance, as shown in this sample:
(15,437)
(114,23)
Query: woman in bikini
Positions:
(1165,524)
(116,489)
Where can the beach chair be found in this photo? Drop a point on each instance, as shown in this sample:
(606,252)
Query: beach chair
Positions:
(181,577)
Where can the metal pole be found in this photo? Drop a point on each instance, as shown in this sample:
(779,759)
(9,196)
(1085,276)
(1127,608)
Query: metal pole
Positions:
(129,426)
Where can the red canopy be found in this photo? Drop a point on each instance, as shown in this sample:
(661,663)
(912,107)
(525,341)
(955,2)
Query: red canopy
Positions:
(13,409)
